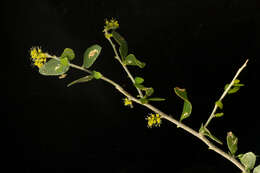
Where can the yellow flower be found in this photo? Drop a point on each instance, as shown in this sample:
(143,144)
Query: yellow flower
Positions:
(128,102)
(38,57)
(154,120)
(112,24)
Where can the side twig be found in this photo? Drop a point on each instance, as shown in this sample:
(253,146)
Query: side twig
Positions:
(212,115)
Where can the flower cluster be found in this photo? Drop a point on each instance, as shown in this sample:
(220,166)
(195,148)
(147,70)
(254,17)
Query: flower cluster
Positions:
(112,24)
(38,57)
(154,120)
(128,102)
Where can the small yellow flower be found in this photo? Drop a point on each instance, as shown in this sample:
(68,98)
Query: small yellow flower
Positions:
(112,24)
(38,57)
(154,120)
(128,102)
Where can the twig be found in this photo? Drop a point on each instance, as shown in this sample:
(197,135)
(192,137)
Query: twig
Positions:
(212,115)
(169,118)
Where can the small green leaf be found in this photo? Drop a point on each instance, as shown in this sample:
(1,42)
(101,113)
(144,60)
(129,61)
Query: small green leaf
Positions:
(91,55)
(143,100)
(81,80)
(257,169)
(248,160)
(96,74)
(148,91)
(204,131)
(219,114)
(131,60)
(226,86)
(64,61)
(236,81)
(187,107)
(219,104)
(68,53)
(55,67)
(239,85)
(139,80)
(156,99)
(123,49)
(232,143)
(233,90)
(139,86)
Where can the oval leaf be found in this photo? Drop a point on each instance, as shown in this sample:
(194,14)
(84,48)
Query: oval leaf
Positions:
(139,80)
(232,143)
(131,60)
(123,49)
(68,53)
(91,55)
(81,80)
(54,67)
(219,104)
(257,169)
(187,107)
(248,160)
(96,74)
(220,114)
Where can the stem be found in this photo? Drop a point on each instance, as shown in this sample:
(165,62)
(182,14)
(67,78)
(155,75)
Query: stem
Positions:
(212,115)
(168,117)
(124,66)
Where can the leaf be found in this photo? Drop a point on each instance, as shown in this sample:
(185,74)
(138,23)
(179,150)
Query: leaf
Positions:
(68,53)
(248,160)
(55,67)
(232,143)
(96,74)
(131,60)
(156,99)
(143,100)
(236,81)
(187,107)
(123,49)
(81,80)
(219,114)
(139,86)
(219,104)
(91,55)
(233,90)
(148,91)
(257,169)
(139,80)
(203,130)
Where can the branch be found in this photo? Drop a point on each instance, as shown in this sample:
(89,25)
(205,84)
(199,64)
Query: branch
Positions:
(212,115)
(168,117)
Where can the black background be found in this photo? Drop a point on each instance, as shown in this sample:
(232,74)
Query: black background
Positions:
(197,45)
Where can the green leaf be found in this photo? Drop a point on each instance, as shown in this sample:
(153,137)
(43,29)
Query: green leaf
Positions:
(219,114)
(156,99)
(139,80)
(81,80)
(219,104)
(123,49)
(68,53)
(226,86)
(232,143)
(236,81)
(143,100)
(91,55)
(131,60)
(96,74)
(139,86)
(187,107)
(204,131)
(248,160)
(239,85)
(55,67)
(233,90)
(257,169)
(148,91)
